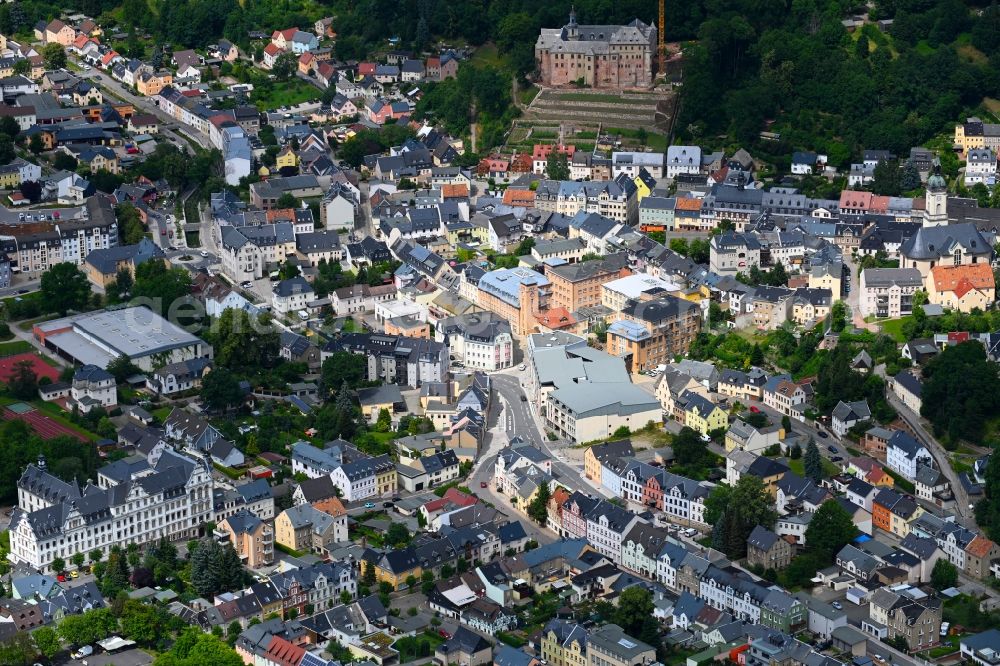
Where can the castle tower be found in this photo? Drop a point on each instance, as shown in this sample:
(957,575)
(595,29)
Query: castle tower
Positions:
(571,27)
(936,200)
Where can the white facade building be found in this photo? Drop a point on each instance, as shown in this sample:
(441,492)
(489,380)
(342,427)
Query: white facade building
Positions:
(172,501)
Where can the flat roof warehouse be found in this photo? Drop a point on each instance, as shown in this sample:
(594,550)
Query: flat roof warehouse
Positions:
(100,337)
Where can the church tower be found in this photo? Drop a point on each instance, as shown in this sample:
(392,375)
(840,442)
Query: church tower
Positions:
(936,199)
(572,31)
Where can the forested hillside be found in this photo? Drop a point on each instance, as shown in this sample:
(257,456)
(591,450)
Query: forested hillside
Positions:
(836,92)
(788,66)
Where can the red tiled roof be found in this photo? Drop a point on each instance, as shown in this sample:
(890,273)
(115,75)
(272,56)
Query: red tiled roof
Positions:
(541,151)
(282,652)
(963,279)
(980,546)
(555,318)
(454,191)
(519,197)
(458,497)
(687,203)
(855,199)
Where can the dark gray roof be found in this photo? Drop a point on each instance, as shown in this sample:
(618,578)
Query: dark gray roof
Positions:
(903,441)
(932,243)
(317,241)
(292,286)
(909,382)
(762,538)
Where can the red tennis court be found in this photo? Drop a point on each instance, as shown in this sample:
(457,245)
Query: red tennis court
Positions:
(47,428)
(41,368)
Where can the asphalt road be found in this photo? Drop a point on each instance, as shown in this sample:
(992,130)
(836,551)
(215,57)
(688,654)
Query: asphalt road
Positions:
(520,421)
(169,128)
(963,514)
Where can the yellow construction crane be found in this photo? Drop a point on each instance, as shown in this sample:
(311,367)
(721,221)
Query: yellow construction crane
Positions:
(662,39)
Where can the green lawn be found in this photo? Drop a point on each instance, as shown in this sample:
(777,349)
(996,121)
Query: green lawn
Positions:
(894,328)
(799,467)
(486,54)
(14,347)
(161,413)
(288,551)
(528,94)
(30,296)
(228,471)
(287,93)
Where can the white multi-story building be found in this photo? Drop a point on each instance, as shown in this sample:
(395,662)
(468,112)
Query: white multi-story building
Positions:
(607,525)
(683,159)
(888,292)
(359,479)
(291,295)
(981,167)
(631,164)
(93,387)
(314,462)
(903,454)
(479,340)
(667,564)
(58,519)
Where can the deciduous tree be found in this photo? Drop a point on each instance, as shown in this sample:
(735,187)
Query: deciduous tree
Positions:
(944,575)
(830,529)
(64,287)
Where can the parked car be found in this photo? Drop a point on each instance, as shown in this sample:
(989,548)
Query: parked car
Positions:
(754,410)
(837,605)
(203,253)
(85,651)
(369,505)
(831,448)
(483,484)
(823,434)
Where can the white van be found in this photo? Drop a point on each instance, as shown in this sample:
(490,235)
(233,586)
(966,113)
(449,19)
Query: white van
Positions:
(303,315)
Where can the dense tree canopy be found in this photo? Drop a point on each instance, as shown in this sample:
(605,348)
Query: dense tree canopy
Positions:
(482,93)
(734,511)
(161,287)
(988,509)
(961,391)
(830,529)
(242,343)
(64,288)
(801,68)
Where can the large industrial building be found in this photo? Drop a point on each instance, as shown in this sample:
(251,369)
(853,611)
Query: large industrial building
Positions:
(97,338)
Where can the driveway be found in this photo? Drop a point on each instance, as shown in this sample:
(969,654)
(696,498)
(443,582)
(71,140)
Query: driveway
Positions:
(133,657)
